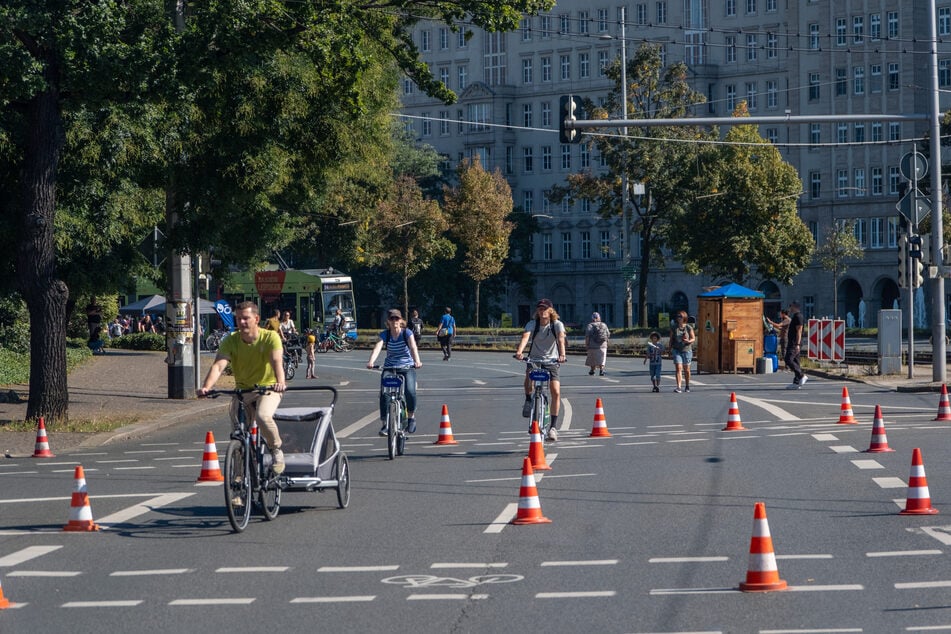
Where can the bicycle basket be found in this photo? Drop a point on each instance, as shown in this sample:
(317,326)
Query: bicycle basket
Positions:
(539,375)
(391,380)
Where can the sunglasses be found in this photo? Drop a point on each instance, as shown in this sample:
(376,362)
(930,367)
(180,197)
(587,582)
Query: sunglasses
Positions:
(394,318)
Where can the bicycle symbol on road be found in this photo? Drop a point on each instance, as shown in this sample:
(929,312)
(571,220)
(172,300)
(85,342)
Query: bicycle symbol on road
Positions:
(431,581)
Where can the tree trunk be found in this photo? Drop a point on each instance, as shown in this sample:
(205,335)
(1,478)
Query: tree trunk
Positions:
(45,294)
(478,286)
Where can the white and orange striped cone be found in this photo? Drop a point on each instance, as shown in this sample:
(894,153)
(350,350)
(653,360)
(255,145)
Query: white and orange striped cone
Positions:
(210,470)
(529,507)
(733,422)
(445,429)
(879,442)
(80,513)
(4,602)
(944,404)
(918,501)
(846,417)
(599,429)
(42,447)
(762,575)
(536,449)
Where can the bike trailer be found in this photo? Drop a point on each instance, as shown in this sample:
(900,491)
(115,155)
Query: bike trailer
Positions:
(310,447)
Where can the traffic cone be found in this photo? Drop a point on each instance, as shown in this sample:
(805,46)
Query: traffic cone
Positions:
(762,575)
(733,422)
(918,501)
(529,508)
(445,429)
(210,471)
(4,602)
(80,513)
(944,405)
(600,427)
(42,447)
(846,417)
(879,443)
(536,449)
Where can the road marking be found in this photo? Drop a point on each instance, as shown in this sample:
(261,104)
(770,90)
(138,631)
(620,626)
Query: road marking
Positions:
(115,461)
(889,483)
(446,597)
(868,464)
(575,595)
(175,458)
(684,560)
(222,601)
(500,522)
(92,497)
(806,556)
(657,592)
(589,562)
(834,588)
(918,585)
(26,554)
(44,573)
(357,568)
(357,426)
(777,412)
(822,631)
(18,472)
(254,569)
(101,604)
(825,437)
(148,573)
(344,599)
(904,553)
(133,468)
(469,565)
(843,449)
(130,453)
(140,509)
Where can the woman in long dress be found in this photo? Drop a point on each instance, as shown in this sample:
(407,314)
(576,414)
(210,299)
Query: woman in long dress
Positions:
(596,337)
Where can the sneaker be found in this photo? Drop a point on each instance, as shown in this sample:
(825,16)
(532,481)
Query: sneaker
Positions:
(792,386)
(602,372)
(677,390)
(591,373)
(527,408)
(552,434)
(803,380)
(277,466)
(383,430)
(687,389)
(237,501)
(411,426)
(656,389)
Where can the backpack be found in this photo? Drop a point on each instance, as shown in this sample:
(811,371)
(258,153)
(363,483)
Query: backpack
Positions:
(599,333)
(405,337)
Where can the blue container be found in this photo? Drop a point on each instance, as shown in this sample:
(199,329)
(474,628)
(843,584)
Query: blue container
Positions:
(770,343)
(774,360)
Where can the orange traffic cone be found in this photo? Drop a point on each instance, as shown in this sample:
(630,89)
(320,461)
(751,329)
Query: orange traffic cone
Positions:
(536,449)
(600,427)
(944,405)
(445,429)
(210,471)
(4,603)
(762,575)
(845,416)
(918,501)
(42,447)
(879,443)
(733,422)
(529,508)
(80,513)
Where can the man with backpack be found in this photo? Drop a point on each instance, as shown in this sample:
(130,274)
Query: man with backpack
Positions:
(547,335)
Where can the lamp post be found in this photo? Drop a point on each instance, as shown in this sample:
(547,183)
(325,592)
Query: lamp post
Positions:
(625,223)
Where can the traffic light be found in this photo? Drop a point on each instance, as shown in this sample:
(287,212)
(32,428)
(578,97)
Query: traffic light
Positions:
(568,110)
(902,260)
(918,278)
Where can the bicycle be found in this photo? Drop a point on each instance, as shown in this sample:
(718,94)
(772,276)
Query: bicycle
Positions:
(541,400)
(333,341)
(291,362)
(246,472)
(213,340)
(393,386)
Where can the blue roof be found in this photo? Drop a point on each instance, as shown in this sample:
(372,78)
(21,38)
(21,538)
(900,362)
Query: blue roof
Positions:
(733,290)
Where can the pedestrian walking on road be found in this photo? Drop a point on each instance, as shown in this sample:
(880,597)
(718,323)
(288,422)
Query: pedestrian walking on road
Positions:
(655,354)
(793,344)
(782,330)
(596,337)
(446,332)
(682,337)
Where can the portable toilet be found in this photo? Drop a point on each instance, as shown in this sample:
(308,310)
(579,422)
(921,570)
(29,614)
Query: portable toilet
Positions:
(729,329)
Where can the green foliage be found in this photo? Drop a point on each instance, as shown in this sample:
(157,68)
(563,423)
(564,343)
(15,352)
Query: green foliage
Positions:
(15,366)
(14,325)
(139,341)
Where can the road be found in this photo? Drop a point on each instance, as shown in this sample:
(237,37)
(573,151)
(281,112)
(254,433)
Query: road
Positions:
(650,530)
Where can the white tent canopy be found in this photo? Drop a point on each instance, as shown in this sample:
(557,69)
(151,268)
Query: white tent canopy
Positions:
(156,304)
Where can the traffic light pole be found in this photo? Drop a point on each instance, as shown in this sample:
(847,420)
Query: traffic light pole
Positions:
(938,346)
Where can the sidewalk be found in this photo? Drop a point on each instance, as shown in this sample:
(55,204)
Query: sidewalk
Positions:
(119,385)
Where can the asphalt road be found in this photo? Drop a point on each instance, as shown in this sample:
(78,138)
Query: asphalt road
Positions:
(650,530)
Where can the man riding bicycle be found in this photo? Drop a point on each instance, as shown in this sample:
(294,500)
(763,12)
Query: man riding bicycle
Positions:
(257,359)
(403,356)
(547,336)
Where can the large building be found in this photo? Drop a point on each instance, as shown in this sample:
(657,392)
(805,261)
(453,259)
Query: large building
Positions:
(798,57)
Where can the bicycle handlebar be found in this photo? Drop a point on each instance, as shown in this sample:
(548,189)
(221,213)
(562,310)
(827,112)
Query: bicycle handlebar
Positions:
(261,389)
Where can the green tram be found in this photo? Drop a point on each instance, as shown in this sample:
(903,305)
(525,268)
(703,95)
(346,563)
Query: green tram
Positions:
(312,295)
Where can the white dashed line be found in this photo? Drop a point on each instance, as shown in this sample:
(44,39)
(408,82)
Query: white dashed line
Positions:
(222,601)
(441,565)
(357,568)
(904,553)
(576,595)
(102,604)
(889,483)
(254,569)
(345,599)
(582,562)
(26,554)
(868,464)
(684,560)
(843,449)
(149,573)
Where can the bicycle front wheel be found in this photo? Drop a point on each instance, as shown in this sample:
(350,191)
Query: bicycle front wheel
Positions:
(392,427)
(237,485)
(270,499)
(290,369)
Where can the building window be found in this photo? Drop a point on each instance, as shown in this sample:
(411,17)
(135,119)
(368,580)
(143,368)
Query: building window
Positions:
(602,20)
(875,78)
(842,183)
(894,131)
(585,157)
(771,46)
(894,82)
(528,201)
(730,49)
(815,133)
(841,30)
(876,132)
(750,7)
(944,72)
(875,26)
(527,71)
(427,124)
(443,122)
(478,117)
(546,114)
(751,46)
(602,62)
(565,245)
(815,185)
(858,29)
(528,159)
(894,177)
(772,94)
(944,21)
(842,133)
(877,184)
(814,87)
(730,8)
(640,14)
(494,59)
(814,37)
(425,41)
(565,20)
(527,115)
(546,27)
(546,247)
(584,65)
(546,158)
(525,27)
(891,20)
(565,67)
(858,80)
(772,135)
(461,41)
(565,156)
(661,12)
(858,133)
(814,230)
(408,86)
(751,96)
(546,68)
(841,82)
(876,234)
(585,245)
(461,77)
(443,39)
(770,6)
(604,244)
(730,97)
(894,230)
(444,75)
(509,159)
(859,181)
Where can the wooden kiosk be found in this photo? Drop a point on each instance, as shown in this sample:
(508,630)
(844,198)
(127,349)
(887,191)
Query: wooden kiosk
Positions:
(729,329)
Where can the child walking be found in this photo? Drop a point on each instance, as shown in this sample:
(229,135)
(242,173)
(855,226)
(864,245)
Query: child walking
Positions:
(655,354)
(311,357)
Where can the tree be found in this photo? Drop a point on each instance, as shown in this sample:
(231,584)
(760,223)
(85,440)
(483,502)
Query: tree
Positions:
(662,158)
(743,216)
(840,244)
(478,209)
(407,234)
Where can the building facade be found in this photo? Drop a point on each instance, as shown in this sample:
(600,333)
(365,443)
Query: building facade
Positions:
(799,57)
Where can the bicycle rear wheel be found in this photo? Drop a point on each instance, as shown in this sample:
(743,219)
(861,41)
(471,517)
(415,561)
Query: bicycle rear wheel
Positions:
(392,424)
(342,476)
(270,499)
(237,485)
(290,369)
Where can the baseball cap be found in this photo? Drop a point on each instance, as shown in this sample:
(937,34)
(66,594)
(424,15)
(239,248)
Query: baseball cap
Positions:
(395,313)
(543,303)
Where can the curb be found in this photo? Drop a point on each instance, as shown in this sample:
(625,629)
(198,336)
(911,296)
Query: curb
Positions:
(105,438)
